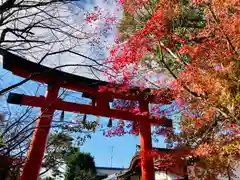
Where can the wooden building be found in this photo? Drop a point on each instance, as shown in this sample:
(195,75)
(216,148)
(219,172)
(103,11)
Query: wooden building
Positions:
(164,170)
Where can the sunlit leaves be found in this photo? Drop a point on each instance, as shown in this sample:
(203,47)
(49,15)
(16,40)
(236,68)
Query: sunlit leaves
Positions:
(197,44)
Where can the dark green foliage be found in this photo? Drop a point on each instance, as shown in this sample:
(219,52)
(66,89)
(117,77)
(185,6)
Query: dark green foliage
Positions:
(85,175)
(60,145)
(1,142)
(190,19)
(81,166)
(55,157)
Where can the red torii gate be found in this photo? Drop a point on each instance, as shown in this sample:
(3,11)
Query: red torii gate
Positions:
(90,88)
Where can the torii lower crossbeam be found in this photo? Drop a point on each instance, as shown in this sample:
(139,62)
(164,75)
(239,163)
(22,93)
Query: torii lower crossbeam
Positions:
(48,104)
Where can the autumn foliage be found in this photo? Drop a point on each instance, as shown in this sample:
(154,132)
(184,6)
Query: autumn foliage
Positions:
(196,44)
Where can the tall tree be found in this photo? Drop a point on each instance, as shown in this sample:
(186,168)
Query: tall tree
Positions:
(196,44)
(58,146)
(60,151)
(81,166)
(43,32)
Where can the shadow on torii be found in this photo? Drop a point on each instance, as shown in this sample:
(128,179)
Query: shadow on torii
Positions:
(55,80)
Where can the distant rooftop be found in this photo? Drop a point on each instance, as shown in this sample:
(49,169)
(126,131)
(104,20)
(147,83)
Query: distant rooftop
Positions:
(110,168)
(106,171)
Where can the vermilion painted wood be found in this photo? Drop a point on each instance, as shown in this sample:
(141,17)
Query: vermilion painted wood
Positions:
(37,147)
(78,86)
(59,104)
(21,67)
(146,146)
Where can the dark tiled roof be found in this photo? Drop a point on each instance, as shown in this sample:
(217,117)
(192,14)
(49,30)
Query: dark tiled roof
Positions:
(110,168)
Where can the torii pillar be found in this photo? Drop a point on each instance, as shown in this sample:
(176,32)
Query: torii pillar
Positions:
(147,165)
(51,102)
(37,148)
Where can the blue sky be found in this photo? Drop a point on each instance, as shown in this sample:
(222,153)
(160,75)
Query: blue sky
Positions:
(121,149)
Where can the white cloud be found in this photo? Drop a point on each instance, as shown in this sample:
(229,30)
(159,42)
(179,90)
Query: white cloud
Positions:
(85,33)
(93,29)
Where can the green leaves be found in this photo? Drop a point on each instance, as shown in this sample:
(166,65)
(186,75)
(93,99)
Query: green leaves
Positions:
(158,52)
(58,148)
(185,59)
(80,166)
(237,97)
(1,142)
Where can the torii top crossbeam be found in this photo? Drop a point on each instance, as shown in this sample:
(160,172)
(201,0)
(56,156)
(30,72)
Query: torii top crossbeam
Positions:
(90,88)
